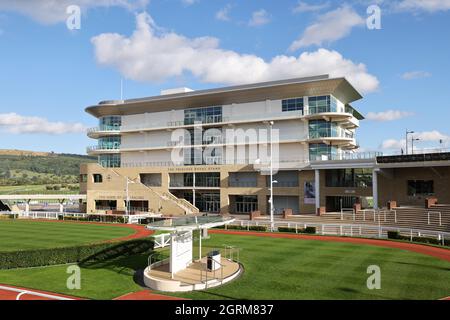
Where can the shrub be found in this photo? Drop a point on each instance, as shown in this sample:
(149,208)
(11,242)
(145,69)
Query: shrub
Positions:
(310,230)
(85,254)
(245,228)
(394,235)
(288,230)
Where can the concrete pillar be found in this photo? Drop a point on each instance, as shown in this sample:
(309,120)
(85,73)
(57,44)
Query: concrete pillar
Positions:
(317,187)
(375,188)
(27,206)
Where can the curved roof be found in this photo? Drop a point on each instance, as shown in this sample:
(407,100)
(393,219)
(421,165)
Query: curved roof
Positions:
(273,90)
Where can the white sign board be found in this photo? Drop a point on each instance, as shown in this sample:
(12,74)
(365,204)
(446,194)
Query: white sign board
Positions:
(180,251)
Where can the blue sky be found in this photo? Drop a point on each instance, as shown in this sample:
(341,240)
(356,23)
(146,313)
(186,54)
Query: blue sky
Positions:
(49,74)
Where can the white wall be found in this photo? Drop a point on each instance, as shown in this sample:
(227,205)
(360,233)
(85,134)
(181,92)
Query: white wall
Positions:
(180,251)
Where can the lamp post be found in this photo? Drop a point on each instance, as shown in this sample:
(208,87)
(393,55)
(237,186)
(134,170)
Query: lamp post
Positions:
(407,133)
(127,204)
(412,144)
(271,177)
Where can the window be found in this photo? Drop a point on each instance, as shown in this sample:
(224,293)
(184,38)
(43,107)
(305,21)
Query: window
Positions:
(110,123)
(203,115)
(295,104)
(322,151)
(350,178)
(109,143)
(420,187)
(322,104)
(97,178)
(322,129)
(83,178)
(109,160)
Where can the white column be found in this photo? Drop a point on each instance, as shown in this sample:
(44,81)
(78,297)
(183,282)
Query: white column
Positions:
(317,187)
(193,188)
(61,206)
(375,188)
(27,206)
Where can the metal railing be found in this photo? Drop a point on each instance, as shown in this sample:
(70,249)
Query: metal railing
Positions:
(350,230)
(437,213)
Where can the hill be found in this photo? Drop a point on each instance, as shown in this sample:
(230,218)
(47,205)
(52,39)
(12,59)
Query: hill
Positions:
(19,167)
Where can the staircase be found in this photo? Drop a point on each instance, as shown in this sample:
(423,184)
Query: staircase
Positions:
(183,204)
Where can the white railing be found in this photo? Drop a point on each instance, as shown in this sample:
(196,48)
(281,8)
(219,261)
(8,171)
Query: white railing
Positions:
(161,240)
(437,213)
(49,215)
(349,230)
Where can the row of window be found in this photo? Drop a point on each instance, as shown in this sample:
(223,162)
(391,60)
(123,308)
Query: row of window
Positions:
(350,178)
(317,104)
(110,123)
(203,115)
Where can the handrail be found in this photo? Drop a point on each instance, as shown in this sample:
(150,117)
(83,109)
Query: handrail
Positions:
(371,229)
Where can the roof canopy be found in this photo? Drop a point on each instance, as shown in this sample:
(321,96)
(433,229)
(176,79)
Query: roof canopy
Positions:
(273,90)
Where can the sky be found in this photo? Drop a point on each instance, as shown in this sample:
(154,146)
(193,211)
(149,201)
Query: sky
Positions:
(52,67)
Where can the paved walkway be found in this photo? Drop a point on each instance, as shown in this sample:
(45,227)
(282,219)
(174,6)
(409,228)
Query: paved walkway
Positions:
(440,253)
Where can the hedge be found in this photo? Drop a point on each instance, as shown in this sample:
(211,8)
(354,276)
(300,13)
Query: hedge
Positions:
(308,230)
(396,236)
(84,254)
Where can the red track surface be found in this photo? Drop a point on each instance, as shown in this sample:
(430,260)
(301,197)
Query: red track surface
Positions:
(440,253)
(13,294)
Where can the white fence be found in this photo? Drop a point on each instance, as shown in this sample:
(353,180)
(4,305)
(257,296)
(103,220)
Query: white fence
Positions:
(349,230)
(47,215)
(161,240)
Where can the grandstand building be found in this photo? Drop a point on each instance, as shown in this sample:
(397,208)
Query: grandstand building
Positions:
(174,154)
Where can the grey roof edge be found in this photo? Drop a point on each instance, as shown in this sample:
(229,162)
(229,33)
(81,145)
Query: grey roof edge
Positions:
(196,93)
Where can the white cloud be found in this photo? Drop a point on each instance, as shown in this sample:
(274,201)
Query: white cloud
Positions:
(223,14)
(259,18)
(150,55)
(426,5)
(52,11)
(412,75)
(389,115)
(330,27)
(17,124)
(426,138)
(306,7)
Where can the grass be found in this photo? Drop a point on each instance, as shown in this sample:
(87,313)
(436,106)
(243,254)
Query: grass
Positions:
(37,189)
(23,235)
(274,269)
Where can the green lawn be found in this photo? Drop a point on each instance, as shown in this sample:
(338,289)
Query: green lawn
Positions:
(274,269)
(37,189)
(22,235)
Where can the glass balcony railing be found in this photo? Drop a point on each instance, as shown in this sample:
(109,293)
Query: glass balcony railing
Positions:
(331,134)
(103,128)
(102,147)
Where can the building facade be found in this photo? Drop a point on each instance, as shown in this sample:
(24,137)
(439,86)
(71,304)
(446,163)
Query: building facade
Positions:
(211,151)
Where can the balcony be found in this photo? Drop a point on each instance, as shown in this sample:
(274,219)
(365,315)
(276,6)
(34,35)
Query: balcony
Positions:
(103,149)
(102,131)
(345,119)
(339,137)
(348,156)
